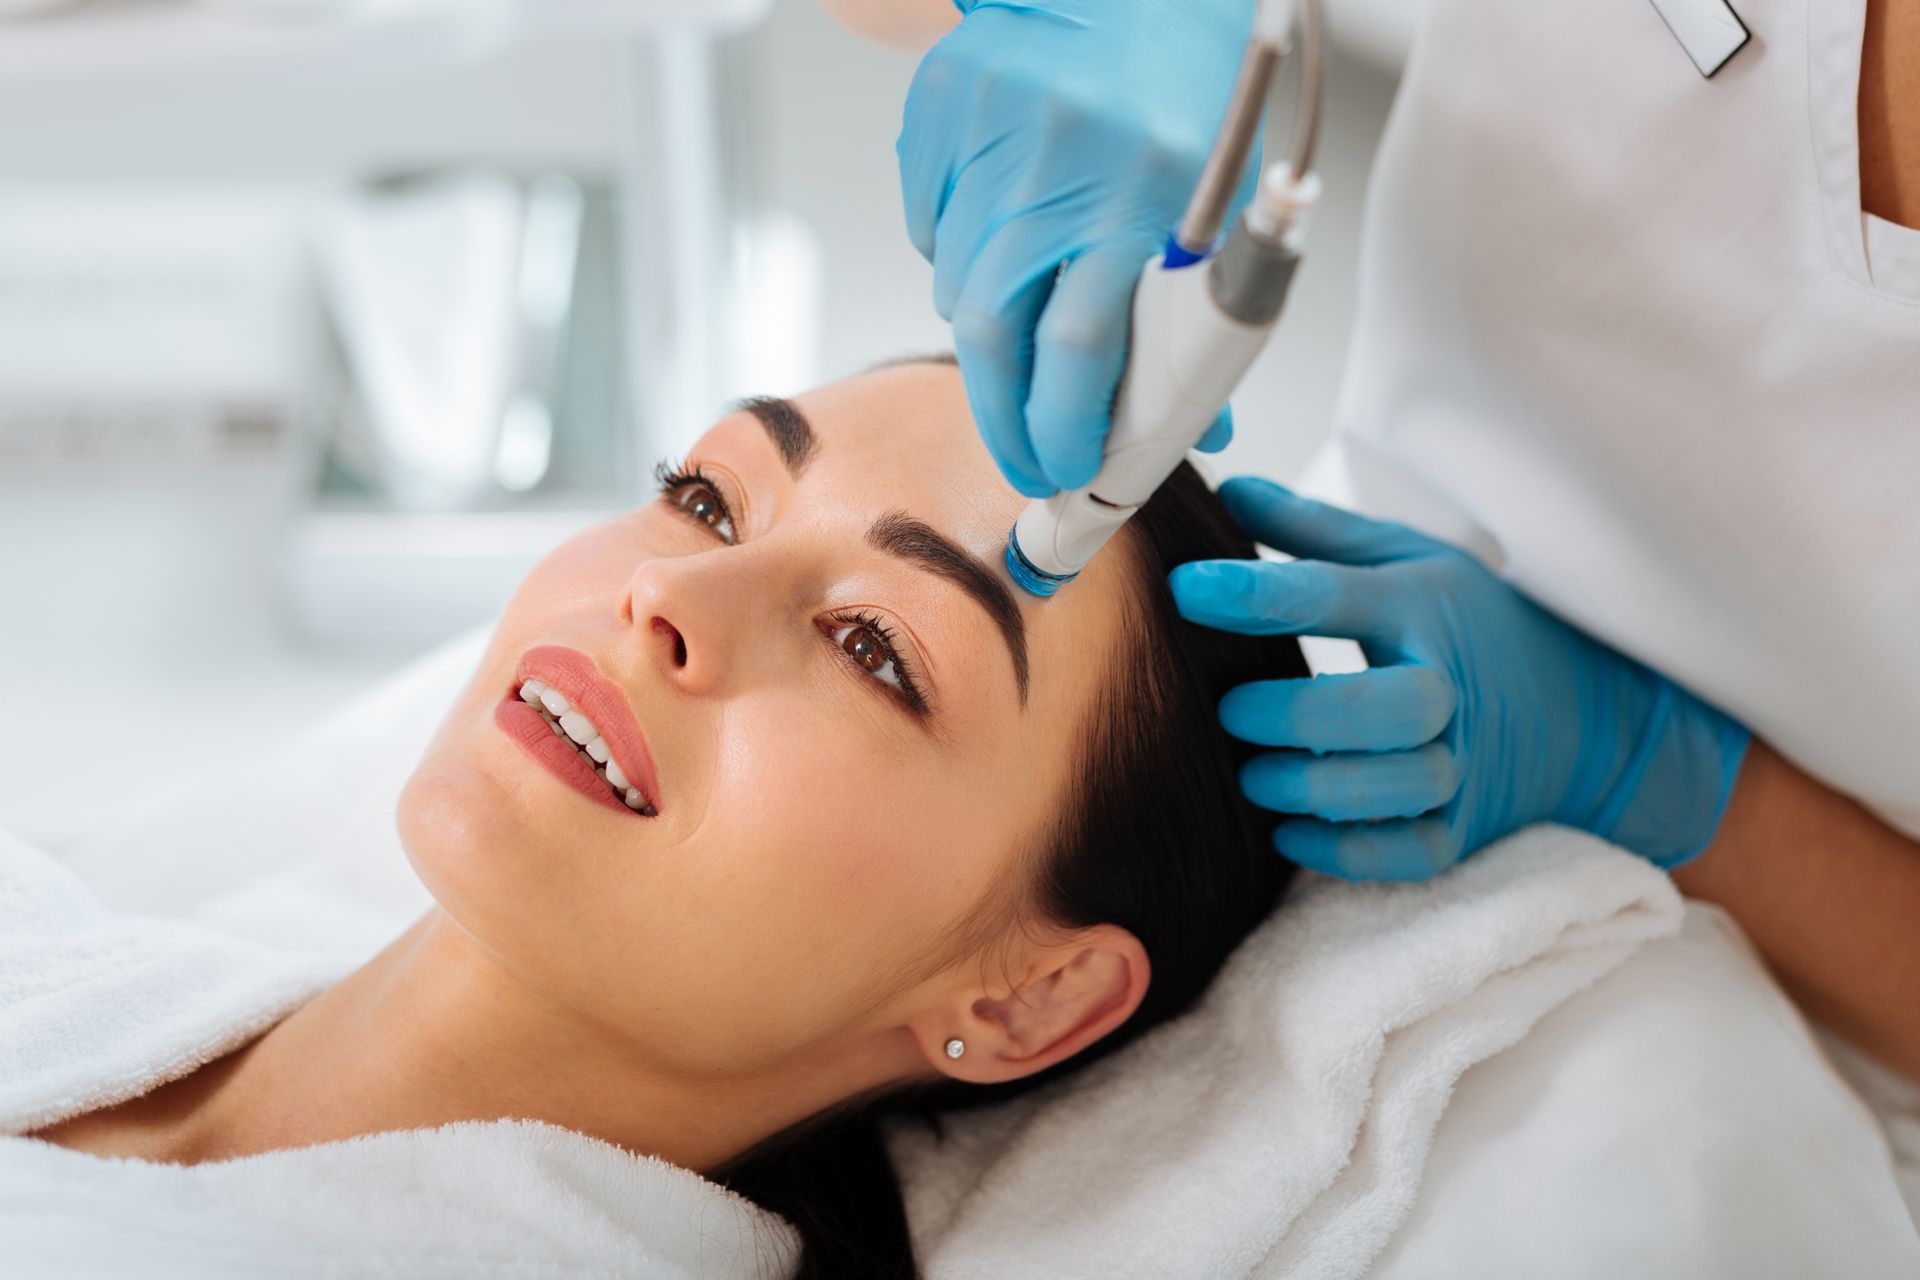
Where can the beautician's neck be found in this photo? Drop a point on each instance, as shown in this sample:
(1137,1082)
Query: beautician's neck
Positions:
(432,1031)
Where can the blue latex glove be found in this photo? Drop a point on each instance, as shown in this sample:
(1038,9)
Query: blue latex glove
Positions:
(1480,713)
(1043,132)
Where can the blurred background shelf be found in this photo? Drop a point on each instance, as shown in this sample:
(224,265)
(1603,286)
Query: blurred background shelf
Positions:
(102,52)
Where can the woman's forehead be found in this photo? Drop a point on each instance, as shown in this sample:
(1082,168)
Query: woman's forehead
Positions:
(908,427)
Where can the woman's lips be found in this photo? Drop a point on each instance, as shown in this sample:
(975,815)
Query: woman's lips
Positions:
(573,675)
(524,725)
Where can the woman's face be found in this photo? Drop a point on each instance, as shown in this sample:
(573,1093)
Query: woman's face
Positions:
(829,693)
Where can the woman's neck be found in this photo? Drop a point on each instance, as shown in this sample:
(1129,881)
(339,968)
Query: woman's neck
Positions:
(433,1031)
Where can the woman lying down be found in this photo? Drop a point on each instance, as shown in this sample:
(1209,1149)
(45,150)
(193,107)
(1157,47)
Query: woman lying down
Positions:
(771,807)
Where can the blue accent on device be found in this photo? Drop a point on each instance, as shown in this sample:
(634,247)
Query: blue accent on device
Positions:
(1177,255)
(1029,577)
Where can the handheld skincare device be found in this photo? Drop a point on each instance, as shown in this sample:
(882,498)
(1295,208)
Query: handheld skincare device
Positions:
(1199,318)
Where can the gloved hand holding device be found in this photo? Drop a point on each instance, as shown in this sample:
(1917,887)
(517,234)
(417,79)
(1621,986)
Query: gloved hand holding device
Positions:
(1044,132)
(1481,712)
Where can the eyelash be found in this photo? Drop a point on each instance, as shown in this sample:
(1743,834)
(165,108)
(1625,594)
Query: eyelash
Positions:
(673,478)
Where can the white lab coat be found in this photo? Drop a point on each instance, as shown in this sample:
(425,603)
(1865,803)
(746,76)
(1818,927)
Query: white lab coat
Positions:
(1626,331)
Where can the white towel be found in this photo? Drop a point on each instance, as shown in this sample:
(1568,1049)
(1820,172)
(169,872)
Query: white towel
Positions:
(1281,1128)
(97,1006)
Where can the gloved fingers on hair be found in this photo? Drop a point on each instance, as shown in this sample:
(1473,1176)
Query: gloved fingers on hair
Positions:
(1353,786)
(1392,708)
(1410,849)
(1080,351)
(1285,521)
(1298,598)
(1220,434)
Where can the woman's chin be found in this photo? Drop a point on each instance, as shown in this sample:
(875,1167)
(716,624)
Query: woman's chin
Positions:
(464,836)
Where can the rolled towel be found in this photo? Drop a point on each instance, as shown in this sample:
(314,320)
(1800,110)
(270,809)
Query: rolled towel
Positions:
(1281,1127)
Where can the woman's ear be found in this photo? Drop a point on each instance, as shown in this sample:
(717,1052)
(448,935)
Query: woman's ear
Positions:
(1053,1001)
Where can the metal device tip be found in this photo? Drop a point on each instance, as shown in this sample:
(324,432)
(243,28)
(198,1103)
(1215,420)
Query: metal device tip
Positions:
(1031,579)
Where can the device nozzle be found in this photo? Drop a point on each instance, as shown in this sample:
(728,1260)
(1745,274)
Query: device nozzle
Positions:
(1028,576)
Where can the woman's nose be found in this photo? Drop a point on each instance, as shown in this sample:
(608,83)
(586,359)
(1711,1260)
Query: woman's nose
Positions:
(688,620)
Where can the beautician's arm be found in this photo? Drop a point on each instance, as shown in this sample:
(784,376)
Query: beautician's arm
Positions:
(912,25)
(1829,894)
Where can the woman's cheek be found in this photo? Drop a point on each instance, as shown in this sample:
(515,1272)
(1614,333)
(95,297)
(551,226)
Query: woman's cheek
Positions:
(838,816)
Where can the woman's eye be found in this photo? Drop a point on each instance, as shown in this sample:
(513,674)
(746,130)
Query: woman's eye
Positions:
(704,505)
(866,647)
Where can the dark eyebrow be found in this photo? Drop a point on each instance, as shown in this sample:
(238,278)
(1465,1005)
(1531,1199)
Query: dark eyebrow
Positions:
(787,427)
(899,534)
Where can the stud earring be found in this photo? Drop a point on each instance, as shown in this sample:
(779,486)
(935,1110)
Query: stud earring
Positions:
(956,1047)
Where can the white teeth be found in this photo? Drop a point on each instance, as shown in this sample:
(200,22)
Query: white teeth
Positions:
(579,728)
(575,727)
